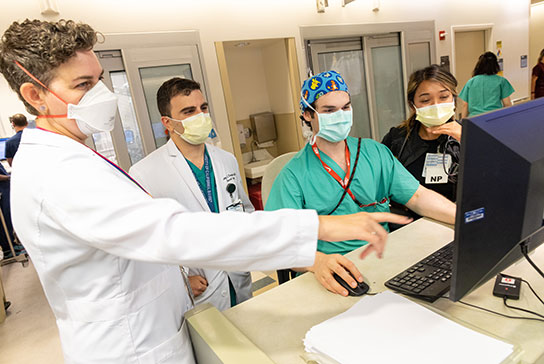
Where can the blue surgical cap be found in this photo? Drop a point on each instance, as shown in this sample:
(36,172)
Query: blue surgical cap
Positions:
(318,85)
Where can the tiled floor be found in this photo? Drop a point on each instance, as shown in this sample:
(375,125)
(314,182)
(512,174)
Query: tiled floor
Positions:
(29,333)
(263,281)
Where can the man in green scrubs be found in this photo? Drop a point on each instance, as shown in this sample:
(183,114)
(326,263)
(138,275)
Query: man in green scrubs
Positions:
(317,177)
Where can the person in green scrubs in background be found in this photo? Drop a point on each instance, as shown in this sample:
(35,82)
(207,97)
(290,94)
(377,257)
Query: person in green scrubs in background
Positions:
(486,90)
(335,174)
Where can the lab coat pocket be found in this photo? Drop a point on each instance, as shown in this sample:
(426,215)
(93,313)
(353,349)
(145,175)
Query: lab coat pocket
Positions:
(175,350)
(79,342)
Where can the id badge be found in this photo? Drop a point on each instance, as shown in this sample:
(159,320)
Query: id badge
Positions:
(236,206)
(433,170)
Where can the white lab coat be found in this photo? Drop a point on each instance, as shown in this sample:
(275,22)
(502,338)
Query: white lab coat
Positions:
(107,254)
(165,173)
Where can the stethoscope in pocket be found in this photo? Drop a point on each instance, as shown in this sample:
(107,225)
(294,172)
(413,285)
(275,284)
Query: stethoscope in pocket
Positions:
(236,204)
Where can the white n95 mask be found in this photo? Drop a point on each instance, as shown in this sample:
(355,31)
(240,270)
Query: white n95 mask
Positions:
(197,128)
(435,115)
(95,112)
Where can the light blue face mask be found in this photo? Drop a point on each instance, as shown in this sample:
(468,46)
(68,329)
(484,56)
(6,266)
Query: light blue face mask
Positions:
(335,127)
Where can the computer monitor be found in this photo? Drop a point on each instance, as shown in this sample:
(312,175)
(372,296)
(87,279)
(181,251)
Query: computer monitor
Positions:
(3,148)
(500,193)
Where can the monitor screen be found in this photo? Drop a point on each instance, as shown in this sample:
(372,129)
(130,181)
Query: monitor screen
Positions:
(500,193)
(3,148)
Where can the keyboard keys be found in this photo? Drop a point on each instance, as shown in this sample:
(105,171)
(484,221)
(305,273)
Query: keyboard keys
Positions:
(428,278)
(407,287)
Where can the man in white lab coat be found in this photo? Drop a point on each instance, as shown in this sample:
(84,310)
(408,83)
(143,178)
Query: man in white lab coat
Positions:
(107,253)
(198,175)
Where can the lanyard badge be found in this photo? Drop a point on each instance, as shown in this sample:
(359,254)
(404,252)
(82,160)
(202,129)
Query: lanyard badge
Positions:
(436,168)
(332,173)
(207,190)
(236,204)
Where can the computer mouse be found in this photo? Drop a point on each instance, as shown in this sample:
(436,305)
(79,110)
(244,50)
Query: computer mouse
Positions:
(359,290)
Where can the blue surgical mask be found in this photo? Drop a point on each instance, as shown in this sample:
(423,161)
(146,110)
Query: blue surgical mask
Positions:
(335,127)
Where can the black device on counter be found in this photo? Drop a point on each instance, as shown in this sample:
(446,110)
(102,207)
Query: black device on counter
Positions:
(507,286)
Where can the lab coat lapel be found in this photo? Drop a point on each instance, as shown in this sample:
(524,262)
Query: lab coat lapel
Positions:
(185,173)
(218,172)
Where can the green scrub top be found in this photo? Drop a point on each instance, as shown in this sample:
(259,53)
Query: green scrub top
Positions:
(485,93)
(200,175)
(304,184)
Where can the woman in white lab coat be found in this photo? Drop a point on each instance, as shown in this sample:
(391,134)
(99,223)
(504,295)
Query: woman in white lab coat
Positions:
(107,253)
(166,173)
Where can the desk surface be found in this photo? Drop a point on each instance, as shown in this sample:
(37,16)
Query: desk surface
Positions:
(277,320)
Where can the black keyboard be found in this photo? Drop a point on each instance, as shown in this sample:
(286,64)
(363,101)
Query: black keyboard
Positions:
(429,278)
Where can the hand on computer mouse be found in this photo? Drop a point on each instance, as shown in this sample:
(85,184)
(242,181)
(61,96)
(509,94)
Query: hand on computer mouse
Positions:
(358,290)
(328,264)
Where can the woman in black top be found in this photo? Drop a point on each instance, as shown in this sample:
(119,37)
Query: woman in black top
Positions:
(430,129)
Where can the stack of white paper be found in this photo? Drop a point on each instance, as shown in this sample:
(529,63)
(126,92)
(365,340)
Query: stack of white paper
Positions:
(388,328)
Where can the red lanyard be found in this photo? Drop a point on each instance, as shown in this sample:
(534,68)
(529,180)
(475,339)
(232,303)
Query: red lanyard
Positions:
(334,174)
(344,183)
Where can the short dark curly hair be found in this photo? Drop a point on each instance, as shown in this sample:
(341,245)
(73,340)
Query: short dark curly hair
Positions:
(41,47)
(170,89)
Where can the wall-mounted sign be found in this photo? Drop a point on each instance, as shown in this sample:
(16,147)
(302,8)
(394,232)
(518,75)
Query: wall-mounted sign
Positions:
(445,62)
(499,48)
(523,61)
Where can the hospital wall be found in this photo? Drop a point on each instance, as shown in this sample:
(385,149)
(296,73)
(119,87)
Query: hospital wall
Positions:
(219,20)
(536,33)
(259,80)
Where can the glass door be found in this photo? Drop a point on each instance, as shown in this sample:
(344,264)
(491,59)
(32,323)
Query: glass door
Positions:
(135,75)
(386,79)
(347,58)
(152,78)
(131,131)
(125,140)
(147,69)
(372,68)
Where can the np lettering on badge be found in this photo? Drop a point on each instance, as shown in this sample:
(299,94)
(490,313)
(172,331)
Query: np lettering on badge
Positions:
(436,167)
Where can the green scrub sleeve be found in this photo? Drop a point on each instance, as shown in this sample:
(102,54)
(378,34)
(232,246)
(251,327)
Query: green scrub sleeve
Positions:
(285,192)
(506,89)
(402,185)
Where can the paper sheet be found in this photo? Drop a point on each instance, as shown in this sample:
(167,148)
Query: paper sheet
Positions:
(388,328)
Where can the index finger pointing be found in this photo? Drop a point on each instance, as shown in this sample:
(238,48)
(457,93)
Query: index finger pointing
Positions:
(389,217)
